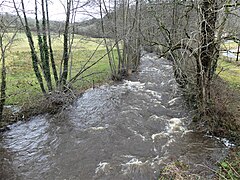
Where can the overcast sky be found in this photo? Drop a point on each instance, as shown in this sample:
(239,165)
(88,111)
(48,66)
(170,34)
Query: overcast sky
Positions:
(56,9)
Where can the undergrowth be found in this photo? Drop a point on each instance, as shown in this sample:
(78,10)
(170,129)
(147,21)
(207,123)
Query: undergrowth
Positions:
(230,167)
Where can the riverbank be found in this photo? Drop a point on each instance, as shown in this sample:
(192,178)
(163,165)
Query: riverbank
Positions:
(221,122)
(52,103)
(225,111)
(223,114)
(23,94)
(226,98)
(230,167)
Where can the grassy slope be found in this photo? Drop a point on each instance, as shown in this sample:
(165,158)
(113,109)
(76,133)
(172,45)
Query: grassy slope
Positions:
(21,82)
(230,72)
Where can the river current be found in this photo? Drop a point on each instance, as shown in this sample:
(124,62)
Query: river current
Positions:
(128,130)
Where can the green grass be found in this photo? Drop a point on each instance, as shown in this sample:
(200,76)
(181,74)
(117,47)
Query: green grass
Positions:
(22,85)
(229,45)
(229,72)
(230,167)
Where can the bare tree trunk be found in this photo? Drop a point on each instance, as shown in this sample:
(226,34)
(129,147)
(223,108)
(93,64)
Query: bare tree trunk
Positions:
(120,71)
(71,40)
(46,65)
(238,51)
(65,59)
(54,69)
(207,49)
(3,79)
(110,58)
(42,48)
(31,45)
(5,43)
(138,29)
(124,38)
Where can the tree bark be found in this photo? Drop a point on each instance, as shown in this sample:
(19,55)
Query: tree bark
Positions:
(238,51)
(54,69)
(46,65)
(65,60)
(207,51)
(31,45)
(42,48)
(3,80)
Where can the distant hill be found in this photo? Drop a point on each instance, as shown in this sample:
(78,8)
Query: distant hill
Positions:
(90,27)
(15,22)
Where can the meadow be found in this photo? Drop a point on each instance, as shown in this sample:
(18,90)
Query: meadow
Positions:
(22,85)
(230,73)
(228,69)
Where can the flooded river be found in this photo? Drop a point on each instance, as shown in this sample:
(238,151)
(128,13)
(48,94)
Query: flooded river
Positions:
(129,130)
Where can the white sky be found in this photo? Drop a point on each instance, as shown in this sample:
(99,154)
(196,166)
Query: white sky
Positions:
(56,9)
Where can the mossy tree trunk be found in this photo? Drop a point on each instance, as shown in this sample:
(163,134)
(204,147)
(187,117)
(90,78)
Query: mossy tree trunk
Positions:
(3,79)
(238,51)
(54,69)
(65,59)
(207,51)
(34,56)
(45,61)
(43,46)
(6,40)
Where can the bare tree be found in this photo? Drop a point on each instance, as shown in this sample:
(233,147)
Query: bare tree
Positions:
(191,35)
(43,46)
(120,22)
(35,59)
(42,60)
(54,69)
(8,32)
(65,58)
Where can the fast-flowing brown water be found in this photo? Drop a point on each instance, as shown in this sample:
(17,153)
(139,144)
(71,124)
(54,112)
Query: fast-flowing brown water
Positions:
(129,130)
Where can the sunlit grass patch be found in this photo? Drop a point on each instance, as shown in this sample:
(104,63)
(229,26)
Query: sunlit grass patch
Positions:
(20,44)
(230,73)
(229,45)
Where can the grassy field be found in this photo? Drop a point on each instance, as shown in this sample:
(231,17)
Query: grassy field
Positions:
(229,45)
(22,85)
(229,71)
